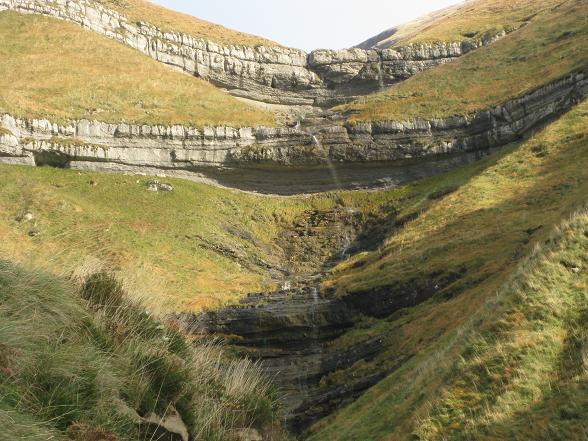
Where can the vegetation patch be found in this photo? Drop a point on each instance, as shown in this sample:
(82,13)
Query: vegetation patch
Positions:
(96,366)
(474,21)
(4,131)
(516,369)
(56,70)
(511,67)
(168,20)
(502,209)
(195,247)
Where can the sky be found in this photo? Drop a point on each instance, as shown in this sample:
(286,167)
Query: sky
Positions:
(309,24)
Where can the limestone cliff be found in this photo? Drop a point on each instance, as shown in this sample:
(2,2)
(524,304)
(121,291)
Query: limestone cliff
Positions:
(101,146)
(274,75)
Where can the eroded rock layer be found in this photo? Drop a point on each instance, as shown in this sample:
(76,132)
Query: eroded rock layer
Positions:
(275,75)
(190,152)
(290,333)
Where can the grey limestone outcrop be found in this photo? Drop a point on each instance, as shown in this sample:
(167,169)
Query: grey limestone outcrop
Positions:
(274,75)
(102,146)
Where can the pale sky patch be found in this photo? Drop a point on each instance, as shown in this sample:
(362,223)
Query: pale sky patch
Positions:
(309,24)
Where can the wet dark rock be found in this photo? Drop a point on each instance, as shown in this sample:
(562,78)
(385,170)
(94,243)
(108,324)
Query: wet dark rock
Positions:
(291,332)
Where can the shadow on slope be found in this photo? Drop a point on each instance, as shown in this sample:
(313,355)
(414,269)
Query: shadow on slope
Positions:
(479,234)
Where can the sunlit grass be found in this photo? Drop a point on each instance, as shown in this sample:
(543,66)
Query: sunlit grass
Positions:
(198,246)
(514,368)
(553,44)
(472,20)
(56,70)
(172,21)
(482,231)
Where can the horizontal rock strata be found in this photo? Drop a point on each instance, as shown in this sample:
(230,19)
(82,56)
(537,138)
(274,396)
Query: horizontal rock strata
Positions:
(100,146)
(290,333)
(275,75)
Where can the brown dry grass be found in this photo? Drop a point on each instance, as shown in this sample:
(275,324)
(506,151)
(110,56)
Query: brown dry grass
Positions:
(169,20)
(56,70)
(553,44)
(467,21)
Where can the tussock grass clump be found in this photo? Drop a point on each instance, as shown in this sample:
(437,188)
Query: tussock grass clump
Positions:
(56,70)
(97,365)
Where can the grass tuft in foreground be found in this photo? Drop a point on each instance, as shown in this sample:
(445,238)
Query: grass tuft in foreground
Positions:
(96,366)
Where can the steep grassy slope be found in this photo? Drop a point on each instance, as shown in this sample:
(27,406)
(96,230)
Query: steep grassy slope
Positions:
(467,21)
(518,369)
(527,189)
(56,70)
(169,20)
(85,363)
(553,44)
(461,244)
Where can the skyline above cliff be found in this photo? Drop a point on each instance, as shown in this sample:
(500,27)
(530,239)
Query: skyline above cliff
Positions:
(309,24)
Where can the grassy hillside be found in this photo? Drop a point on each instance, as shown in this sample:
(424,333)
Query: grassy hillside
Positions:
(466,234)
(198,246)
(517,370)
(79,362)
(553,44)
(467,21)
(169,20)
(56,70)
(527,188)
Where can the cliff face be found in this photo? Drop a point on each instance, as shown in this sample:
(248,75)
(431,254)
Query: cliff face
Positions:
(274,75)
(291,334)
(101,146)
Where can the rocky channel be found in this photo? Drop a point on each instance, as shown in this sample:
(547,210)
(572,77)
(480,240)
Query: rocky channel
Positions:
(291,333)
(267,74)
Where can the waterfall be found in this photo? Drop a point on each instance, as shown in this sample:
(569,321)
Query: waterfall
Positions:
(329,163)
(315,330)
(381,83)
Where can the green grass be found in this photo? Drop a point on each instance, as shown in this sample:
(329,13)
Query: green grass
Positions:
(516,370)
(78,359)
(198,246)
(468,21)
(524,372)
(172,21)
(525,186)
(553,44)
(469,243)
(56,70)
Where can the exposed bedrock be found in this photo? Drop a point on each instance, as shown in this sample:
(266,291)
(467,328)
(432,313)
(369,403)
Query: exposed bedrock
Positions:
(251,158)
(275,75)
(294,332)
(290,333)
